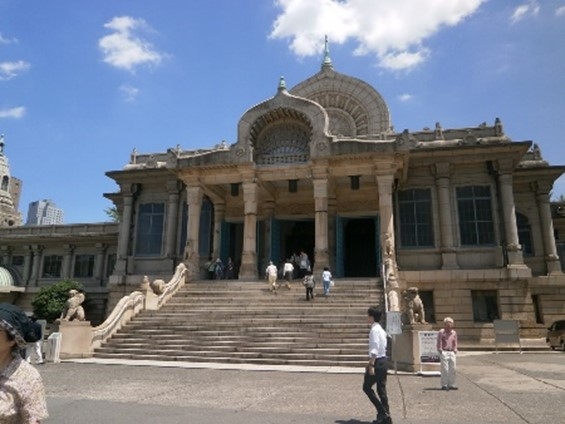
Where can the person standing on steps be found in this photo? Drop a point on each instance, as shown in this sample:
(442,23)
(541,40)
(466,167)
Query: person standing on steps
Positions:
(303,264)
(377,367)
(447,348)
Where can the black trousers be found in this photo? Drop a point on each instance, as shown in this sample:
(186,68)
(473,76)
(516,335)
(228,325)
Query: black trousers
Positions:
(379,399)
(309,293)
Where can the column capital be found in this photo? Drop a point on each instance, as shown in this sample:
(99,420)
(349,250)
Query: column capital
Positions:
(320,187)
(174,187)
(441,170)
(194,194)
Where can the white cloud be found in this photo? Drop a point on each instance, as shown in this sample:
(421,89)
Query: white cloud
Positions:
(4,40)
(405,97)
(129,92)
(524,10)
(14,113)
(392,30)
(9,70)
(124,49)
(560,11)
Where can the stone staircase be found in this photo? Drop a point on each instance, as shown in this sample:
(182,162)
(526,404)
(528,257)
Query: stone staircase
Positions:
(243,322)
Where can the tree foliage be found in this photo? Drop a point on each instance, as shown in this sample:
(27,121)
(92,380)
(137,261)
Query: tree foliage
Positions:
(112,213)
(50,301)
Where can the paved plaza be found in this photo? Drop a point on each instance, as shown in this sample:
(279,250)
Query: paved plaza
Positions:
(493,388)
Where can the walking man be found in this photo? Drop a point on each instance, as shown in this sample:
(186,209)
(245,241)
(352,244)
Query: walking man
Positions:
(447,348)
(377,368)
(271,272)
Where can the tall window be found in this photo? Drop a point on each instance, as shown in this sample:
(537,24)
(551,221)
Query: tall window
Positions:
(485,305)
(474,205)
(84,266)
(524,234)
(150,229)
(415,214)
(52,266)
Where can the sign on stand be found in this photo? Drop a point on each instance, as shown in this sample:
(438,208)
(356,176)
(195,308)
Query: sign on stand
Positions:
(427,341)
(53,347)
(393,323)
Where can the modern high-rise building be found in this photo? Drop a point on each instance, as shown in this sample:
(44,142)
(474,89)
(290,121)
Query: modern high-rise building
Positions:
(44,212)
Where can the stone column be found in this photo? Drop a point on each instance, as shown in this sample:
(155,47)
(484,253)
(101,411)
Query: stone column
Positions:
(513,248)
(124,237)
(332,212)
(27,265)
(269,212)
(172,218)
(99,262)
(37,251)
(66,271)
(248,268)
(321,257)
(551,258)
(191,252)
(219,216)
(448,255)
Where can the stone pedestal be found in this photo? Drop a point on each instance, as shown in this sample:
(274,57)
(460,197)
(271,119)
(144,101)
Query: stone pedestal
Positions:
(406,350)
(151,300)
(76,339)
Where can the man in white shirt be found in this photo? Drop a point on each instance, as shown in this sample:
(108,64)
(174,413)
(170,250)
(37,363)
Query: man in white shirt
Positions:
(377,367)
(271,272)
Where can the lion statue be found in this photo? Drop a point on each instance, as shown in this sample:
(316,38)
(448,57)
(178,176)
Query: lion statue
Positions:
(413,307)
(73,307)
(158,286)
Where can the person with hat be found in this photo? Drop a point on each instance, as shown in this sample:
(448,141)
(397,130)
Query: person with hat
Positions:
(22,394)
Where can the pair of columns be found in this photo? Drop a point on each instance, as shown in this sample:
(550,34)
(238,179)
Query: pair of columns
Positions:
(513,248)
(248,267)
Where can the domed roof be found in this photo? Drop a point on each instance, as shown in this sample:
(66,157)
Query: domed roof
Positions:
(6,278)
(354,107)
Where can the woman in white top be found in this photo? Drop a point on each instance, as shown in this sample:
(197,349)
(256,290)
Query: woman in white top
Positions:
(326,279)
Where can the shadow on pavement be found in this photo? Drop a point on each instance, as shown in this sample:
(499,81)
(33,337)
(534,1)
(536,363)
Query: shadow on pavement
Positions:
(353,421)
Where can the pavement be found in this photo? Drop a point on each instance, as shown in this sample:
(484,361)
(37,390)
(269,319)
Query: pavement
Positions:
(504,387)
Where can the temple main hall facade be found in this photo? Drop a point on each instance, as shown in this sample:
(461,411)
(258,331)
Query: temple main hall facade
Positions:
(463,214)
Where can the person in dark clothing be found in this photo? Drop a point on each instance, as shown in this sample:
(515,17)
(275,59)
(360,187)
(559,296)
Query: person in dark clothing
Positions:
(35,348)
(377,368)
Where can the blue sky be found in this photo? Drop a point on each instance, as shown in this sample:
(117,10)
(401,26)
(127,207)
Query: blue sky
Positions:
(82,83)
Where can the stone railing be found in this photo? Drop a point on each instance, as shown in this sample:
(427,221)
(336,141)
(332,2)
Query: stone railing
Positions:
(127,308)
(79,339)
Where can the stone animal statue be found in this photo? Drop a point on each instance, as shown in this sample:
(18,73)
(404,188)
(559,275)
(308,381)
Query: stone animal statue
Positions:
(158,286)
(413,307)
(73,307)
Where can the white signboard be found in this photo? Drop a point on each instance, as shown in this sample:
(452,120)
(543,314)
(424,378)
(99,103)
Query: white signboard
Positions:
(53,347)
(428,346)
(393,322)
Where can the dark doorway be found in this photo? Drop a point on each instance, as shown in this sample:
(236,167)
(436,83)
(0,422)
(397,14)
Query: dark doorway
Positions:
(297,236)
(360,248)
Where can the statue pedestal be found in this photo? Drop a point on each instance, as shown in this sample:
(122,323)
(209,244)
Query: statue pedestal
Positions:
(76,339)
(406,348)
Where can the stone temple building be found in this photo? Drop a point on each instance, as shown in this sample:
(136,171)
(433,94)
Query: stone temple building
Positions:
(463,214)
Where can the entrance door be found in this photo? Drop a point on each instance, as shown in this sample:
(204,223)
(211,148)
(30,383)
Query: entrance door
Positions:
(357,253)
(294,237)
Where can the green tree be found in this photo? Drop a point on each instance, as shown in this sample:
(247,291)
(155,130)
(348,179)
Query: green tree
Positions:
(50,301)
(112,213)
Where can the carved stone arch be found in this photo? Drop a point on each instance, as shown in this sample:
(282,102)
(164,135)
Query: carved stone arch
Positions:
(342,124)
(281,136)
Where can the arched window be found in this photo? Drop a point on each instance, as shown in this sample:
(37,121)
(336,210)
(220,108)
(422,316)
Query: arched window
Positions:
(5,181)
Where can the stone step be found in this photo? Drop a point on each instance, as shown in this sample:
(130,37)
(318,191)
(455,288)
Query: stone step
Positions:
(244,322)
